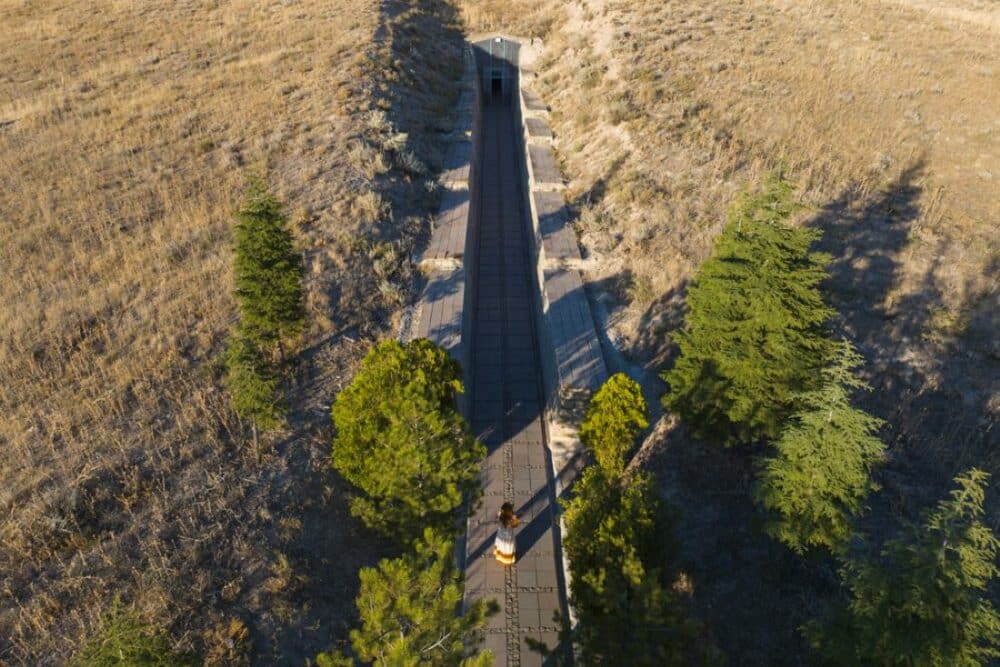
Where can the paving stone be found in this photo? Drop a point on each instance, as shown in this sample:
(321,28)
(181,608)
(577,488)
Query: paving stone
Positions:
(532,101)
(537,128)
(455,171)
(544,168)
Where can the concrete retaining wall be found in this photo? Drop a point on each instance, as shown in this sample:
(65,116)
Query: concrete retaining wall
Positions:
(573,364)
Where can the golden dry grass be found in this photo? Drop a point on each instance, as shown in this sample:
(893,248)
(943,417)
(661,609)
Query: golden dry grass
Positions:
(700,98)
(126,130)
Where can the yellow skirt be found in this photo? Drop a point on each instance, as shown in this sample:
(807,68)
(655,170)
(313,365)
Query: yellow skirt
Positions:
(504,548)
(504,559)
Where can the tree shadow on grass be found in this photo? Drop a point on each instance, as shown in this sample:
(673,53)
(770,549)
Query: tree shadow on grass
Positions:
(308,518)
(928,359)
(752,592)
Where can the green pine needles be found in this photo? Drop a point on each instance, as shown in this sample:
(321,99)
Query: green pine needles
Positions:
(407,607)
(253,385)
(272,308)
(924,601)
(268,268)
(614,540)
(401,441)
(817,478)
(403,444)
(615,416)
(626,612)
(754,336)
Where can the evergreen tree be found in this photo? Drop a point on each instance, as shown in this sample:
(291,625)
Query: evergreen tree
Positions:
(615,416)
(126,641)
(407,607)
(625,611)
(253,385)
(615,533)
(924,603)
(819,475)
(269,271)
(401,441)
(754,333)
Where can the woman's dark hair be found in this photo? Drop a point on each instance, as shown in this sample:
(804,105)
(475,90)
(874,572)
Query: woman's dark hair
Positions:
(506,513)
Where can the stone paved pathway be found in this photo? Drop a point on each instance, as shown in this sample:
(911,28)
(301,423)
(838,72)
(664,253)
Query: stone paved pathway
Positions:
(507,417)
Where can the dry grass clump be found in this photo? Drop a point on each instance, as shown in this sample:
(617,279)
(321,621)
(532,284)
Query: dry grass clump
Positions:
(125,132)
(525,18)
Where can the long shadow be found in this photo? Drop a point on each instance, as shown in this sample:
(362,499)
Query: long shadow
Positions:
(752,593)
(419,48)
(865,244)
(422,43)
(932,389)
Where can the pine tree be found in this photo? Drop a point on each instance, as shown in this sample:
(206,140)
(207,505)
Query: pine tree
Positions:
(924,603)
(268,269)
(401,441)
(819,475)
(615,533)
(625,611)
(754,335)
(253,385)
(407,607)
(615,416)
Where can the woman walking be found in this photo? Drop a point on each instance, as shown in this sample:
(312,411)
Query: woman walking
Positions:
(504,545)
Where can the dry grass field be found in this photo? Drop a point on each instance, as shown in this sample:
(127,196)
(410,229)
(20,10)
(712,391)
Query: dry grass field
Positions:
(885,114)
(126,130)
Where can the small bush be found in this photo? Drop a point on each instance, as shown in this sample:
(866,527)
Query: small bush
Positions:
(407,608)
(370,208)
(615,416)
(268,269)
(126,641)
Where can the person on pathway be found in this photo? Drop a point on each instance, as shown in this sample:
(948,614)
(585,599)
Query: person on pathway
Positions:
(504,545)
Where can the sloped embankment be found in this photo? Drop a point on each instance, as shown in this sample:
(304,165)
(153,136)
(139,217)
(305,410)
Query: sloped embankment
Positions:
(126,473)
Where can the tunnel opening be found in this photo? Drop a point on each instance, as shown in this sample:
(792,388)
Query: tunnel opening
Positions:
(497,63)
(496,89)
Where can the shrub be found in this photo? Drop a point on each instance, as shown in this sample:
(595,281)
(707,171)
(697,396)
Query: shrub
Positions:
(407,607)
(268,269)
(253,386)
(924,601)
(615,416)
(615,532)
(626,613)
(125,640)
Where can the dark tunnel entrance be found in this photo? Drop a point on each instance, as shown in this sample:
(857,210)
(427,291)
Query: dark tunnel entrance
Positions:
(497,62)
